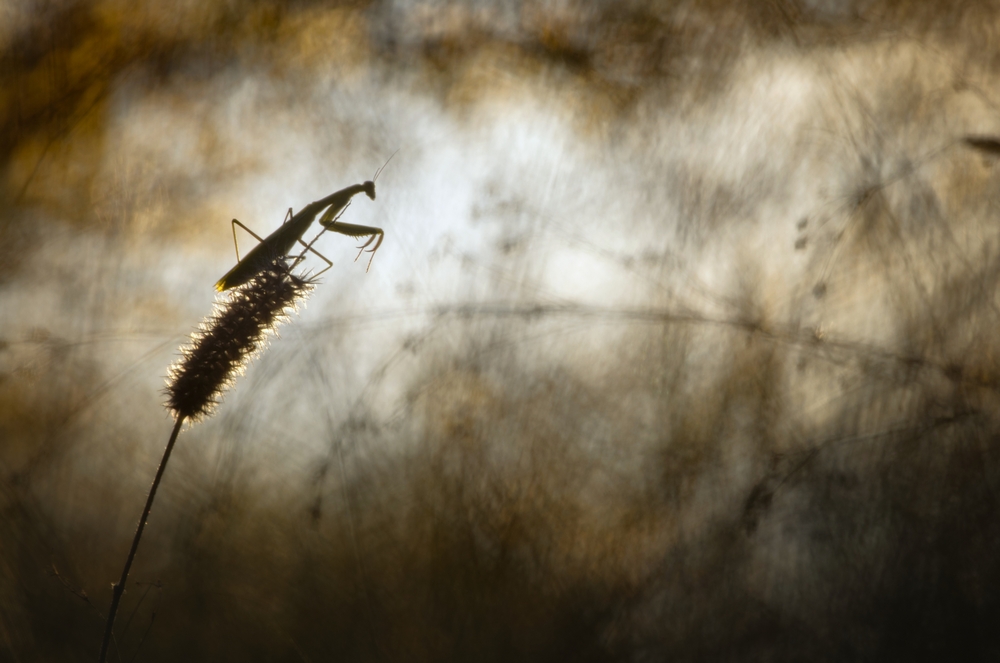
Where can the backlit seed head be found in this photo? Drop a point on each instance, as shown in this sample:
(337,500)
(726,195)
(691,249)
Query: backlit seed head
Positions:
(236,332)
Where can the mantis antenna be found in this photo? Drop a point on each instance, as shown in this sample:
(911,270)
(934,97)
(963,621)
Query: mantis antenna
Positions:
(379,171)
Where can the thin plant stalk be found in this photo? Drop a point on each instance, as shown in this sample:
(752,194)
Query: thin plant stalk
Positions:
(119,587)
(219,351)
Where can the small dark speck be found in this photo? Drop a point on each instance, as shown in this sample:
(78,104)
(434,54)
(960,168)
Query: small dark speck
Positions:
(316,510)
(819,290)
(757,505)
(509,246)
(800,243)
(803,222)
(986,144)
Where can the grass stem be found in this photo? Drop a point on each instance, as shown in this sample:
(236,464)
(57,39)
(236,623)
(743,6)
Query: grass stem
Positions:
(119,587)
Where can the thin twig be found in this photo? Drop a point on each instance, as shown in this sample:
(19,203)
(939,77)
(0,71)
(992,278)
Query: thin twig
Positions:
(149,628)
(138,605)
(79,593)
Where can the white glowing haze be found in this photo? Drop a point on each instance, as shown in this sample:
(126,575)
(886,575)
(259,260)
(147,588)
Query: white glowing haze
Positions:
(796,220)
(508,203)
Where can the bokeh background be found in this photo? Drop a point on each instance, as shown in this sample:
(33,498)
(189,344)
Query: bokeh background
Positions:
(682,344)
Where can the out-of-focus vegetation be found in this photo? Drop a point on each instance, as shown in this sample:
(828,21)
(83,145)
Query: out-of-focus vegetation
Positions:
(681,345)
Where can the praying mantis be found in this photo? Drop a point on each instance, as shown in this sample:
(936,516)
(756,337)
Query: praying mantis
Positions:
(279,243)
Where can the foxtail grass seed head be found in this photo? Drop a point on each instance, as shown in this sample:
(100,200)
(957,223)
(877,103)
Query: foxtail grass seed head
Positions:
(236,332)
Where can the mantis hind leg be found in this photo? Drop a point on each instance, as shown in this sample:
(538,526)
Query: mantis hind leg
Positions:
(310,249)
(236,244)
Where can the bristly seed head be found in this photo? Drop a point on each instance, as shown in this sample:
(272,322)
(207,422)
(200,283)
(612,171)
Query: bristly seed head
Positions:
(236,332)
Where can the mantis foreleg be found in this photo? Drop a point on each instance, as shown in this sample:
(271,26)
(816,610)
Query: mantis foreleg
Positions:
(331,221)
(352,230)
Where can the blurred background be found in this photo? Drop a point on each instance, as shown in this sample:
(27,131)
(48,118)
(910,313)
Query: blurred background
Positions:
(681,344)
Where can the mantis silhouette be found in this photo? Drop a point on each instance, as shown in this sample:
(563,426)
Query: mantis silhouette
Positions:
(279,243)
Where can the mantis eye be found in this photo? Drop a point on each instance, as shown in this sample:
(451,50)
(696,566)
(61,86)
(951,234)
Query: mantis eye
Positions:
(369,189)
